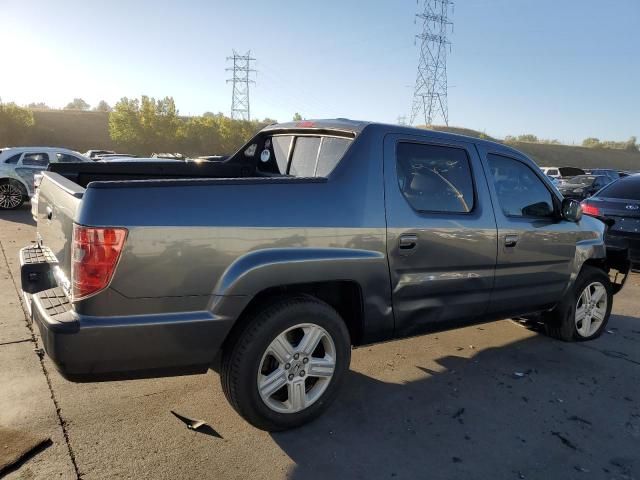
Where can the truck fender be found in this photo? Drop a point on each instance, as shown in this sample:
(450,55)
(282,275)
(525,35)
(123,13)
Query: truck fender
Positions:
(262,269)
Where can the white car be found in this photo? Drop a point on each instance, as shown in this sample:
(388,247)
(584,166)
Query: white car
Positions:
(18,165)
(552,172)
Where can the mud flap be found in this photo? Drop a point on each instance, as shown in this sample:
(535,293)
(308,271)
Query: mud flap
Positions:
(618,266)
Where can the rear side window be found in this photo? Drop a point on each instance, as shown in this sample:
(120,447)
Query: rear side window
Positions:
(434,178)
(35,160)
(626,189)
(13,158)
(65,157)
(520,192)
(552,171)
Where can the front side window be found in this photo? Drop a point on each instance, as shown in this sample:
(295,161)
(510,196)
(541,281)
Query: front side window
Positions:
(35,160)
(435,178)
(520,192)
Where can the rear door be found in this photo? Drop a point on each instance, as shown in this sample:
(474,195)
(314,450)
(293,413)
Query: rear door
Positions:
(441,232)
(535,248)
(30,164)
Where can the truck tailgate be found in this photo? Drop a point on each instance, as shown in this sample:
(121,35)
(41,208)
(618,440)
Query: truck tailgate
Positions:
(58,202)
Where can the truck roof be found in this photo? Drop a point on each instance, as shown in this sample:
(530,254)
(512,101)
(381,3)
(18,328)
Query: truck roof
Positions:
(357,126)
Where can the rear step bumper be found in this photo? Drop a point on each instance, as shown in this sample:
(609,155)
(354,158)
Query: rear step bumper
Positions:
(88,348)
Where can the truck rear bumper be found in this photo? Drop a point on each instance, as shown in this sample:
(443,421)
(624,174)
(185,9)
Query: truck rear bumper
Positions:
(86,348)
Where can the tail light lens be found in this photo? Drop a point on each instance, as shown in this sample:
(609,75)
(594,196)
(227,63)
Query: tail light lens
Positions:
(588,209)
(94,256)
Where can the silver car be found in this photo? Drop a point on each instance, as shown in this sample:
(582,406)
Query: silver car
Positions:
(18,166)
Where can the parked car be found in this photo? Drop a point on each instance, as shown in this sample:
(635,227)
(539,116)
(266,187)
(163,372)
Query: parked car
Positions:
(314,237)
(562,173)
(18,166)
(611,174)
(107,156)
(619,202)
(583,186)
(92,154)
(169,156)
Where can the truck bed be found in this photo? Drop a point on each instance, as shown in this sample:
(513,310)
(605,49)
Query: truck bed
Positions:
(83,173)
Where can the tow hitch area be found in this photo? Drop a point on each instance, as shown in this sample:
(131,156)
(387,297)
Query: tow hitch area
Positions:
(618,265)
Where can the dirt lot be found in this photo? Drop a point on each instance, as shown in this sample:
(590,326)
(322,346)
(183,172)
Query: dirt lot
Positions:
(443,406)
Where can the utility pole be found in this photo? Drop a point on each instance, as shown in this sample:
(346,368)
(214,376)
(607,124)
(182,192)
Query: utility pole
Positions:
(241,69)
(430,91)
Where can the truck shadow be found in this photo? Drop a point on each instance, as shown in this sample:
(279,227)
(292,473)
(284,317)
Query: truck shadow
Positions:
(19,215)
(528,409)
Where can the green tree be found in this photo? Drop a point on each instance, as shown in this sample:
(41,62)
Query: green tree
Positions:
(15,123)
(77,104)
(631,145)
(591,142)
(102,107)
(146,125)
(528,137)
(297,117)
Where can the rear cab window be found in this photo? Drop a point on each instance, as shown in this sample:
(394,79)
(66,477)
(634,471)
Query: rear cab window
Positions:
(300,154)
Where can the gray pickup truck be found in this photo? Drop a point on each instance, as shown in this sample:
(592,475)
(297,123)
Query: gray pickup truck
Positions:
(316,236)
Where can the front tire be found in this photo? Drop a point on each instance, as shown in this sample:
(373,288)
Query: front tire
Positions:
(584,313)
(286,366)
(12,195)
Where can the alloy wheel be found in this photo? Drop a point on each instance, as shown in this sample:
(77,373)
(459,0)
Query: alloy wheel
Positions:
(591,309)
(10,196)
(296,368)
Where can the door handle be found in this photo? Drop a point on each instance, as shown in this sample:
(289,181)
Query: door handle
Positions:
(49,213)
(408,241)
(510,240)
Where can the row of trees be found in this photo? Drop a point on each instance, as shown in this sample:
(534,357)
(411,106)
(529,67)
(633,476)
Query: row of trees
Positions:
(15,122)
(75,104)
(630,145)
(148,125)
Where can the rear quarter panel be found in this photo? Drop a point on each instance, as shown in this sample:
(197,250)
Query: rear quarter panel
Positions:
(208,239)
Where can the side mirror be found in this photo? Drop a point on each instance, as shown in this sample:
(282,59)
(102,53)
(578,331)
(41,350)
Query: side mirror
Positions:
(571,210)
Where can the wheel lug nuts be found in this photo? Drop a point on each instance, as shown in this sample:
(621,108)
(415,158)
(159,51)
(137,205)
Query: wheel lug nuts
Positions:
(296,356)
(302,373)
(290,376)
(287,366)
(305,360)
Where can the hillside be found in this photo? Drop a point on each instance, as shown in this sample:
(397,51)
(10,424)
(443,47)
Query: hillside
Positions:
(81,131)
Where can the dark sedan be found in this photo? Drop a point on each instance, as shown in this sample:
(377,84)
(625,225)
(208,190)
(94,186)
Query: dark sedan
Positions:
(620,202)
(583,186)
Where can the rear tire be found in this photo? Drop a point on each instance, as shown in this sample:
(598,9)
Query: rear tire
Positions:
(286,366)
(584,313)
(12,195)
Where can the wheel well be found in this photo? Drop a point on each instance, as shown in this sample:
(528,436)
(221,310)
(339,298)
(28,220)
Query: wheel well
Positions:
(343,295)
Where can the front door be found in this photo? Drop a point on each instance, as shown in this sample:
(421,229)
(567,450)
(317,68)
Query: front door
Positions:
(535,247)
(441,232)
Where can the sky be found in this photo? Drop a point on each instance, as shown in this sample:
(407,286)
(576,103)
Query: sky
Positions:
(565,70)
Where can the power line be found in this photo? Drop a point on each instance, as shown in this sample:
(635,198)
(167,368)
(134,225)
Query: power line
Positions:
(430,91)
(240,109)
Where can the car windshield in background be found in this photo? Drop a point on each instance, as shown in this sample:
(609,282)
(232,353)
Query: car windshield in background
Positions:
(627,189)
(583,180)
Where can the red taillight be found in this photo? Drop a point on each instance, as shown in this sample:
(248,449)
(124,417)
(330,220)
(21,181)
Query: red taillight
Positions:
(94,256)
(590,210)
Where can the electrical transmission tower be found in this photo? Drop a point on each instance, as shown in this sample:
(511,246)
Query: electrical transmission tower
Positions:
(430,92)
(241,69)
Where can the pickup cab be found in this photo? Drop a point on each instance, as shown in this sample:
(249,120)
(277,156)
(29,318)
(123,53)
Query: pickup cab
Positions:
(314,237)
